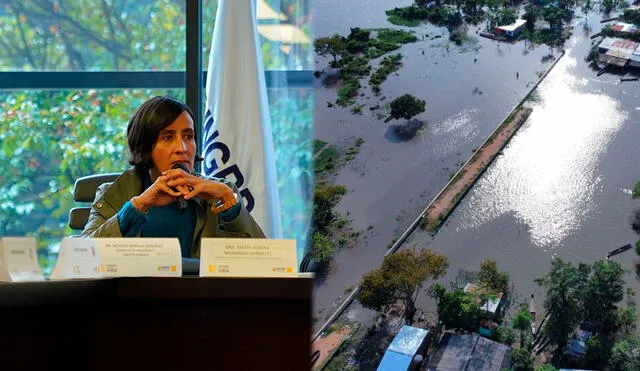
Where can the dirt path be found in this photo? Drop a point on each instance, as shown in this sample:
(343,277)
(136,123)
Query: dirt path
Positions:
(448,199)
(327,345)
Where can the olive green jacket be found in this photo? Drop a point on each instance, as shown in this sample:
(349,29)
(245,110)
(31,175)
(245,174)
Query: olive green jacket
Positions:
(110,197)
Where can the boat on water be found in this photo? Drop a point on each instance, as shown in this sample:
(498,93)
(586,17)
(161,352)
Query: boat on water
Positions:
(619,250)
(532,311)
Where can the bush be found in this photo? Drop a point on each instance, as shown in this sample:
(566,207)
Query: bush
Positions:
(323,247)
(636,191)
(455,37)
(504,335)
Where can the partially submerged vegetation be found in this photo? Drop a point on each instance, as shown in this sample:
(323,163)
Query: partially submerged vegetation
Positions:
(454,15)
(331,230)
(352,56)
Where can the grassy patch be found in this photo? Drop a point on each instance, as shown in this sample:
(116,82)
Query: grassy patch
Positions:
(326,160)
(388,65)
(398,20)
(386,35)
(317,145)
(636,191)
(348,91)
(361,49)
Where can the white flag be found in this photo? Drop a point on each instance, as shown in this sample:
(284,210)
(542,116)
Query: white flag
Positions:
(238,144)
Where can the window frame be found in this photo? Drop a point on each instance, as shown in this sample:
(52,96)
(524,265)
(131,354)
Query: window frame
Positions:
(188,79)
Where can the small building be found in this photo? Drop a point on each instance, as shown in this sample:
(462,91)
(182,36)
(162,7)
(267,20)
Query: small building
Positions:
(624,27)
(470,352)
(577,346)
(512,30)
(616,51)
(409,342)
(491,306)
(634,59)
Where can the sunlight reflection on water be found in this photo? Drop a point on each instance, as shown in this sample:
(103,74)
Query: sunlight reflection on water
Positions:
(450,133)
(548,177)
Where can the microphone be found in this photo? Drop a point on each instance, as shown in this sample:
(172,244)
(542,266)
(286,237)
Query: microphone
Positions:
(182,203)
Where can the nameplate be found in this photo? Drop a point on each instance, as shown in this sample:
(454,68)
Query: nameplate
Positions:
(248,257)
(139,257)
(77,258)
(19,260)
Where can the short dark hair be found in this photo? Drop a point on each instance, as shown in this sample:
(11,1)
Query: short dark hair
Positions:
(146,124)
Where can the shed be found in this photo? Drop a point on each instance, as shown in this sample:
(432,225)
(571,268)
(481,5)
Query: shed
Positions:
(471,353)
(624,27)
(491,306)
(407,343)
(513,29)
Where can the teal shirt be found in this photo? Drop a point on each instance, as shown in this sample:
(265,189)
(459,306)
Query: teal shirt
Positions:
(164,221)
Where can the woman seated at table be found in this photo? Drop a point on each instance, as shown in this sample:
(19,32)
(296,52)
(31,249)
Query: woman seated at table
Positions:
(162,195)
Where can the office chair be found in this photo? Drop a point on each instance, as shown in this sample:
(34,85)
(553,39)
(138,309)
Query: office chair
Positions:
(84,190)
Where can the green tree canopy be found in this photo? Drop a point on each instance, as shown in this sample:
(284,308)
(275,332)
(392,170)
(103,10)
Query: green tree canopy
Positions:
(521,360)
(406,106)
(457,309)
(522,322)
(636,188)
(335,46)
(401,277)
(587,296)
(491,279)
(604,289)
(565,285)
(625,355)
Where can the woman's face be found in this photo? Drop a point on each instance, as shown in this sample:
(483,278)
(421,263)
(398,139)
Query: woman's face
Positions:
(176,144)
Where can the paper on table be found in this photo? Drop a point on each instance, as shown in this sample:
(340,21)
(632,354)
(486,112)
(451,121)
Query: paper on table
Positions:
(19,260)
(139,257)
(77,258)
(248,257)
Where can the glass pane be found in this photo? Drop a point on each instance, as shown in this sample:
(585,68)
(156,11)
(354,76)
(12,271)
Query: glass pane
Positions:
(292,124)
(92,35)
(284,27)
(48,139)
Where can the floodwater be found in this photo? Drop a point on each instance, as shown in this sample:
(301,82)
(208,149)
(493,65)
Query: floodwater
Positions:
(560,188)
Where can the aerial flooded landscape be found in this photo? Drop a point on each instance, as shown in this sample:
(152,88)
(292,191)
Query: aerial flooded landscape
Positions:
(476,175)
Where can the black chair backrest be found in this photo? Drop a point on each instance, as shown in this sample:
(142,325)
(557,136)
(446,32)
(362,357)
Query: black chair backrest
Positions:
(84,190)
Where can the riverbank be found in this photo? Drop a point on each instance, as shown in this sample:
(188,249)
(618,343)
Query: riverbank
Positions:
(466,177)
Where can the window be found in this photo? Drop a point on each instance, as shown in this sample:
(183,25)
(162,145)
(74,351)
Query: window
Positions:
(73,72)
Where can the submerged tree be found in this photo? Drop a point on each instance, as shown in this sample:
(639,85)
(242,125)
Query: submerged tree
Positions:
(406,107)
(491,279)
(587,296)
(456,309)
(335,46)
(401,277)
(563,302)
(522,322)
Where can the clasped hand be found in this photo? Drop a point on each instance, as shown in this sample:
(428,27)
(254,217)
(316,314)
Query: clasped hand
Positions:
(175,183)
